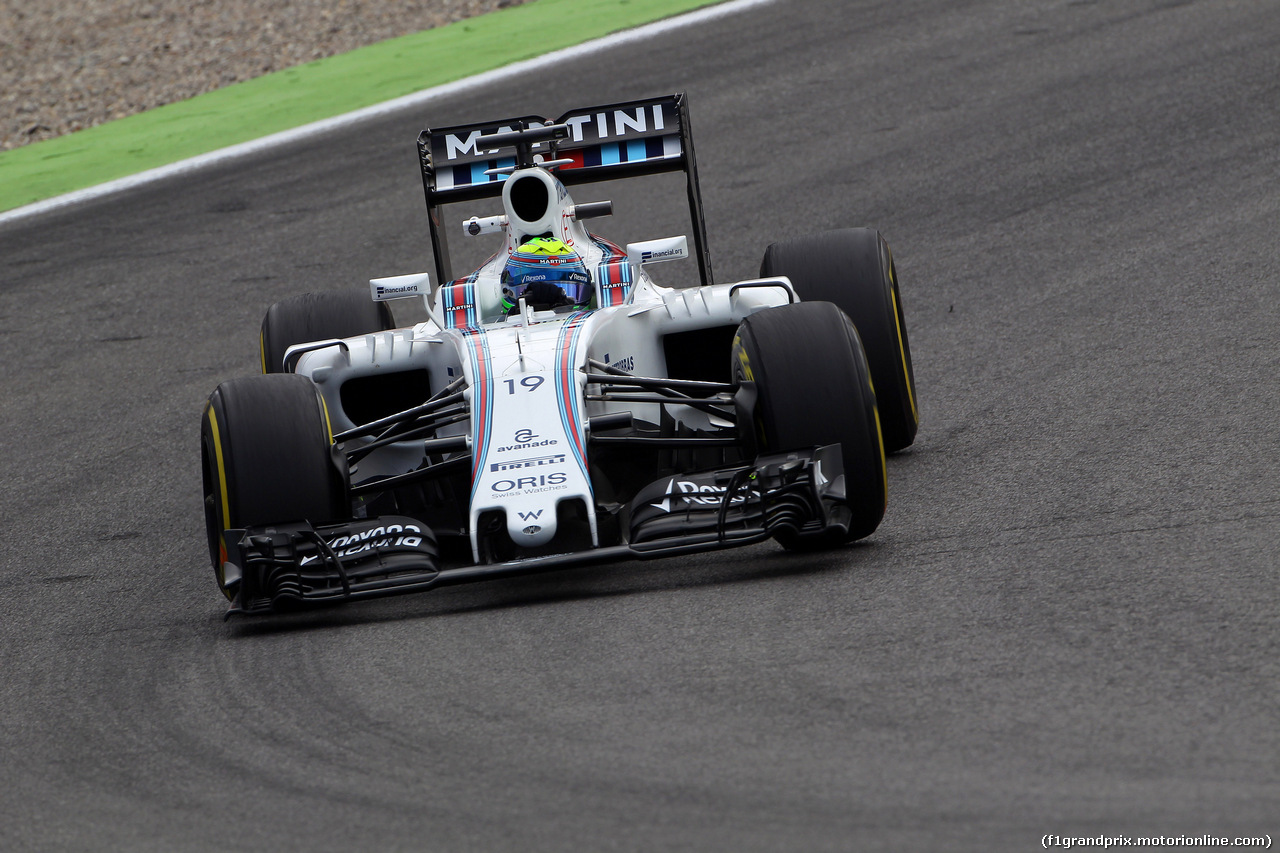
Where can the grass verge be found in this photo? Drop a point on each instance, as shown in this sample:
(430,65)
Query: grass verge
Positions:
(314,91)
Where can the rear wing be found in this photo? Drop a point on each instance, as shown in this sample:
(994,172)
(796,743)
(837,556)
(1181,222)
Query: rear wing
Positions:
(628,139)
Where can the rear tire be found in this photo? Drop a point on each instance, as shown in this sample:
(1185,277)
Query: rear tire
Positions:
(317,317)
(266,456)
(813,388)
(853,268)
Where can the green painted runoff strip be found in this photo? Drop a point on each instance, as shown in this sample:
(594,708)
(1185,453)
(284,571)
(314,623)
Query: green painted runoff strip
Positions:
(317,90)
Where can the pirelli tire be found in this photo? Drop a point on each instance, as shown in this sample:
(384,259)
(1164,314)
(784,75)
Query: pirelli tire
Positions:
(318,317)
(813,388)
(853,268)
(267,456)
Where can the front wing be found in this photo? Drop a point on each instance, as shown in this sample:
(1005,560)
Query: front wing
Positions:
(293,565)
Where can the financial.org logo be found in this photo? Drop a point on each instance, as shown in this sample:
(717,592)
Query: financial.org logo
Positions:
(662,253)
(399,290)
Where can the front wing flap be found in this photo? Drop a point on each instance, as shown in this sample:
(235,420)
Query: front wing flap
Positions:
(798,493)
(285,565)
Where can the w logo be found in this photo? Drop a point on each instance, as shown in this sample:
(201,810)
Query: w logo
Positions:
(530,516)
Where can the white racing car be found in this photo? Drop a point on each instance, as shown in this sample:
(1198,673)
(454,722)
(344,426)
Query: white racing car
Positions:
(559,407)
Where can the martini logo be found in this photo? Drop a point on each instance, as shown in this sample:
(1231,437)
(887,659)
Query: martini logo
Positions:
(634,122)
(616,123)
(456,146)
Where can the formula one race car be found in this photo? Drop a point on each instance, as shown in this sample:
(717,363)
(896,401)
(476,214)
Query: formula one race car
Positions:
(559,407)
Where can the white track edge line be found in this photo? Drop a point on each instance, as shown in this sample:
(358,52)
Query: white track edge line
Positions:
(405,102)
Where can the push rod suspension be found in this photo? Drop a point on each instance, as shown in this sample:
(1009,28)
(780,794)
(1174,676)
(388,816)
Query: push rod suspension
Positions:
(448,395)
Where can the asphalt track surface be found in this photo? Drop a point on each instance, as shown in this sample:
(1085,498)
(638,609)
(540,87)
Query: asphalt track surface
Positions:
(1067,623)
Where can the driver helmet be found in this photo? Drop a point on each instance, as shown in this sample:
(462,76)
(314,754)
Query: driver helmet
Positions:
(547,273)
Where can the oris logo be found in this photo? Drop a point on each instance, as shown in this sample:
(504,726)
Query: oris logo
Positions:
(542,482)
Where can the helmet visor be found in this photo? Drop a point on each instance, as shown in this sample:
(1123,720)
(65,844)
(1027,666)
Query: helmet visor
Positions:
(546,280)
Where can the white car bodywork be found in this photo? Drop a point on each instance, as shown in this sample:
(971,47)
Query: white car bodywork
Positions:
(526,374)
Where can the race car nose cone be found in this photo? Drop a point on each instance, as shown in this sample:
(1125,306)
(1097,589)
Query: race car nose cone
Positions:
(536,527)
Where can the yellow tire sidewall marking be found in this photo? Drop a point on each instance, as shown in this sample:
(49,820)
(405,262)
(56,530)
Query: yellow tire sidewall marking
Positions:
(884,468)
(902,350)
(225,515)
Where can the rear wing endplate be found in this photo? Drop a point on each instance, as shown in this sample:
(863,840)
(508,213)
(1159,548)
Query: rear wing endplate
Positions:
(628,139)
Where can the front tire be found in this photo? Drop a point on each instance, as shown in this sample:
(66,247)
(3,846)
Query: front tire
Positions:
(317,317)
(266,456)
(853,268)
(813,388)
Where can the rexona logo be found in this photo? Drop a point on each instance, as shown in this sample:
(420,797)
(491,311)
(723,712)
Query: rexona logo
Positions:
(699,494)
(389,536)
(532,462)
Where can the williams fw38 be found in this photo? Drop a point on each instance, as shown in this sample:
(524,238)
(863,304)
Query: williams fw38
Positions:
(559,407)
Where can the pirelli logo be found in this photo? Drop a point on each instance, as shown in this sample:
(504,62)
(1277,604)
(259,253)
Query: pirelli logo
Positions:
(531,462)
